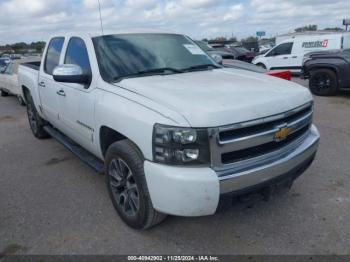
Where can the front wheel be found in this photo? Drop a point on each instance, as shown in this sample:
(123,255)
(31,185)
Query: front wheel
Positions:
(127,186)
(323,82)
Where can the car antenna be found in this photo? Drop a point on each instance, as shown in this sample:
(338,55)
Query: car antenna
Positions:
(99,9)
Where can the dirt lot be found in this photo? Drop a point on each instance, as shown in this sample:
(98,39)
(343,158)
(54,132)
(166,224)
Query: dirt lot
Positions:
(51,203)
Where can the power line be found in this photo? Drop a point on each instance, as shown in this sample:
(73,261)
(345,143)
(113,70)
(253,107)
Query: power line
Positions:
(99,9)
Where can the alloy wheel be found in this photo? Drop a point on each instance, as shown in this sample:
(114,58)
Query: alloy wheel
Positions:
(321,82)
(123,186)
(32,118)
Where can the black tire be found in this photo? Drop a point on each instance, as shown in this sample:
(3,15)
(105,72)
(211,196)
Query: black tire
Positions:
(21,100)
(3,93)
(261,65)
(36,123)
(323,82)
(127,186)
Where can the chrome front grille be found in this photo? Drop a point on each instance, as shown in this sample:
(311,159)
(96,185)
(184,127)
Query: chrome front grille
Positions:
(249,141)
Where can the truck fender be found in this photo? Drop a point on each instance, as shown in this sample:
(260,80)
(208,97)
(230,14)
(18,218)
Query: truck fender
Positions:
(119,118)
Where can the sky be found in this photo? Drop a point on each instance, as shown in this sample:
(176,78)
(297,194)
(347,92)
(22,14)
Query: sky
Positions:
(34,20)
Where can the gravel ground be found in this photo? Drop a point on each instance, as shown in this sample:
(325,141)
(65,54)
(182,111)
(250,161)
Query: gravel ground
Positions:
(51,203)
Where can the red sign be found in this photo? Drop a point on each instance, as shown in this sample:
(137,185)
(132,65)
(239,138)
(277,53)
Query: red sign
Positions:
(325,43)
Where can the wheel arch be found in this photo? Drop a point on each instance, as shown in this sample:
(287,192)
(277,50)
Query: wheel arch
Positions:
(321,66)
(262,65)
(25,92)
(108,136)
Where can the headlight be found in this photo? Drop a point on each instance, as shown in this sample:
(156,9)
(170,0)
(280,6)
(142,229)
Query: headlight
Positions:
(180,146)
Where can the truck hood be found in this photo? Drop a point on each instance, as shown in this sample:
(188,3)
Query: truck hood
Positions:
(221,96)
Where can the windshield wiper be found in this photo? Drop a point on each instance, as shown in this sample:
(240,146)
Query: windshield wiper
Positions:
(201,67)
(160,70)
(148,72)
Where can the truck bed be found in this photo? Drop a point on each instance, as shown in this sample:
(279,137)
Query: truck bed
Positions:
(33,65)
(28,74)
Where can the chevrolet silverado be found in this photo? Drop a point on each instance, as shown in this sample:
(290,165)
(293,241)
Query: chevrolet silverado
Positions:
(172,130)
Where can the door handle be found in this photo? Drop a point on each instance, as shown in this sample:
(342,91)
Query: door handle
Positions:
(61,92)
(42,84)
(294,57)
(286,57)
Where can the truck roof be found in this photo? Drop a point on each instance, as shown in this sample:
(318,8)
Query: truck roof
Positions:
(110,32)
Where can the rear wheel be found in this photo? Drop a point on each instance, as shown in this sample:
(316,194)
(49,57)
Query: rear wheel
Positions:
(3,93)
(323,82)
(127,186)
(35,121)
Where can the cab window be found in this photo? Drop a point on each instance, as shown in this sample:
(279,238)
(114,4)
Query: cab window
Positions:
(77,54)
(282,49)
(53,54)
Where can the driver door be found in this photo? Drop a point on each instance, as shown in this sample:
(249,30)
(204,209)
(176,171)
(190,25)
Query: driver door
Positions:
(280,57)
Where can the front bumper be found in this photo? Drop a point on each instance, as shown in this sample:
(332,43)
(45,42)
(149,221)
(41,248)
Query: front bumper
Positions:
(251,177)
(196,191)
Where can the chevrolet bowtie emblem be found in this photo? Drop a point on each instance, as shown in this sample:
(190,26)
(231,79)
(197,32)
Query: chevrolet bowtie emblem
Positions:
(282,133)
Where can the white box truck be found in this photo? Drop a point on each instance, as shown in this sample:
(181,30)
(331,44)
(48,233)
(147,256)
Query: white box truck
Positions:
(289,54)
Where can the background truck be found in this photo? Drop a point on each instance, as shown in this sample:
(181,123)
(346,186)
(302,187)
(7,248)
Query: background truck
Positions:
(171,129)
(289,54)
(328,72)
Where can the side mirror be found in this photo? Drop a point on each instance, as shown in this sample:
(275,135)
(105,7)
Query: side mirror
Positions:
(70,74)
(217,58)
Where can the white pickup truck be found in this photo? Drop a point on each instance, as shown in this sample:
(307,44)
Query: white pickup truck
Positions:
(172,130)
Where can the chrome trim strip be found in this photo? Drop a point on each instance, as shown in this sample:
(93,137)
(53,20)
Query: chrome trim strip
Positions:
(263,137)
(218,147)
(234,181)
(266,119)
(240,166)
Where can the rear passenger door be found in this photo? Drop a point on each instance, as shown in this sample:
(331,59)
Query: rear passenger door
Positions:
(77,105)
(48,87)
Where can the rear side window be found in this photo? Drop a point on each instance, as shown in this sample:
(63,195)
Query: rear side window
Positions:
(282,49)
(53,54)
(77,54)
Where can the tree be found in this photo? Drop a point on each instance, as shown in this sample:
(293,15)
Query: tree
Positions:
(306,28)
(38,46)
(233,39)
(250,39)
(19,46)
(334,29)
(221,39)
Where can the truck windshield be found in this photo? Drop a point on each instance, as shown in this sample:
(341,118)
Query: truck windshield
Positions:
(134,55)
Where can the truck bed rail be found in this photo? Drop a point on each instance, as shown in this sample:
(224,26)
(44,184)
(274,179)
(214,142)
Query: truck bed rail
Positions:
(33,65)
